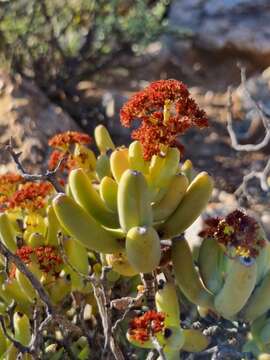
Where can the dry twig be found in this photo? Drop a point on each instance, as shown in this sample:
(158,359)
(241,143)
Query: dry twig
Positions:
(264,115)
(12,258)
(103,302)
(21,348)
(159,348)
(49,175)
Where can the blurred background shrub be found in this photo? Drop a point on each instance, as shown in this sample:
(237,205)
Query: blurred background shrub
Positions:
(55,41)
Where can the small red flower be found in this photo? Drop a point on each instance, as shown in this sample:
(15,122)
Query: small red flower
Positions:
(165,110)
(67,164)
(10,178)
(55,158)
(31,196)
(143,327)
(63,143)
(68,138)
(46,257)
(236,231)
(9,183)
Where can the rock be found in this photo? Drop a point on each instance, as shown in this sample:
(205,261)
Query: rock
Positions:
(239,25)
(30,119)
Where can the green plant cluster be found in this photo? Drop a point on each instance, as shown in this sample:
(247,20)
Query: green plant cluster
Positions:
(120,218)
(68,37)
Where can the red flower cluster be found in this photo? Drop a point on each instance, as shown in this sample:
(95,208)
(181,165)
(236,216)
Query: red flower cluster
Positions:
(9,183)
(10,179)
(65,139)
(165,110)
(63,143)
(67,163)
(236,231)
(46,257)
(31,196)
(142,327)
(55,157)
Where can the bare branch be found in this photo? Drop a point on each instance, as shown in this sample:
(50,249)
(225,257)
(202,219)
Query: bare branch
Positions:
(38,328)
(33,280)
(50,175)
(102,299)
(151,355)
(128,301)
(159,348)
(23,349)
(122,318)
(234,142)
(10,312)
(262,176)
(264,115)
(148,281)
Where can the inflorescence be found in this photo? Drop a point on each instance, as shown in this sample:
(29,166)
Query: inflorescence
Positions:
(165,110)
(237,232)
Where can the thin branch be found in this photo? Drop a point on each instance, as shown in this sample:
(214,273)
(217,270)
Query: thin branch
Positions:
(38,328)
(262,176)
(122,318)
(36,335)
(149,284)
(50,175)
(22,348)
(123,303)
(158,347)
(64,325)
(151,355)
(31,277)
(10,310)
(234,142)
(99,288)
(264,115)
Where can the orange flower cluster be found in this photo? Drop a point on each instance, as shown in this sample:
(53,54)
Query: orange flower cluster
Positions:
(31,196)
(69,161)
(142,327)
(56,156)
(46,257)
(8,185)
(63,143)
(236,231)
(165,110)
(9,179)
(68,138)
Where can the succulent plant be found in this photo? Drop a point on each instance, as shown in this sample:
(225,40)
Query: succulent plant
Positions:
(120,219)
